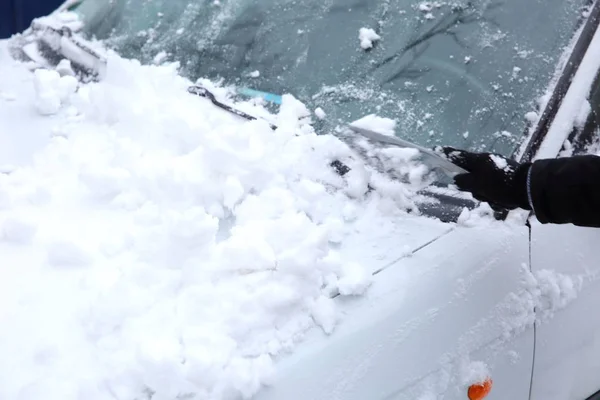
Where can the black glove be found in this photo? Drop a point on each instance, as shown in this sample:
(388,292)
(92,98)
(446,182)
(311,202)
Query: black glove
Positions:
(492,178)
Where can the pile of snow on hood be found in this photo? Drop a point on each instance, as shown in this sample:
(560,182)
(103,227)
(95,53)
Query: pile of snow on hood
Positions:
(160,245)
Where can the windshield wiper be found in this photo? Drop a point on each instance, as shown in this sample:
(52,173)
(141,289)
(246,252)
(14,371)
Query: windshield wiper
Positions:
(339,167)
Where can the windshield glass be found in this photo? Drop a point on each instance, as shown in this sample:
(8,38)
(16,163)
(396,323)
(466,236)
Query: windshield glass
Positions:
(462,73)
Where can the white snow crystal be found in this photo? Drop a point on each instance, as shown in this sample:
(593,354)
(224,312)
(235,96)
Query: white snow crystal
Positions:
(254,74)
(367,36)
(543,293)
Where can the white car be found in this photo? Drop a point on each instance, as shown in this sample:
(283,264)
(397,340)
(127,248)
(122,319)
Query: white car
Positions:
(464,302)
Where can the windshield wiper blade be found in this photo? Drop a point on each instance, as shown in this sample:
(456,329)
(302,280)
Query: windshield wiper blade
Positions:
(203,92)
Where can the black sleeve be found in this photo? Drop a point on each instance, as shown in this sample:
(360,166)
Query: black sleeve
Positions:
(566,190)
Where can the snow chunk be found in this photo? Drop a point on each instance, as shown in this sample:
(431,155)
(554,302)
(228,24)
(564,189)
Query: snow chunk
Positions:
(582,115)
(475,372)
(18,230)
(354,280)
(500,162)
(67,254)
(52,90)
(254,74)
(160,57)
(320,113)
(64,68)
(425,7)
(367,36)
(324,314)
(552,291)
(385,126)
(531,116)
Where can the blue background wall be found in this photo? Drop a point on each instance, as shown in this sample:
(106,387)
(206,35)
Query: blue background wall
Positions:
(16,15)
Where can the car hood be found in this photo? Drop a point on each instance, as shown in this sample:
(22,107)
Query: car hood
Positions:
(139,214)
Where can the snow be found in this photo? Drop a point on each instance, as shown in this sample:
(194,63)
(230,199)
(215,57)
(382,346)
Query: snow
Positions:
(64,68)
(320,113)
(160,57)
(582,115)
(254,74)
(542,294)
(500,162)
(474,372)
(52,90)
(425,7)
(153,243)
(552,291)
(531,116)
(367,36)
(385,126)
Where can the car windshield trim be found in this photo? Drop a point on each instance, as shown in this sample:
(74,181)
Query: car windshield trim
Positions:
(576,53)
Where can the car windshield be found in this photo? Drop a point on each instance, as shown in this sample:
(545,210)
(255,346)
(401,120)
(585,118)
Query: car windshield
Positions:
(462,73)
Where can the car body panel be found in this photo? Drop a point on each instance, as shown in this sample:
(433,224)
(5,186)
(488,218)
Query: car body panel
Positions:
(422,324)
(391,241)
(567,361)
(444,299)
(567,354)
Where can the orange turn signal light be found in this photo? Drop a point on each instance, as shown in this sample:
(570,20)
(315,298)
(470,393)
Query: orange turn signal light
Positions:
(479,391)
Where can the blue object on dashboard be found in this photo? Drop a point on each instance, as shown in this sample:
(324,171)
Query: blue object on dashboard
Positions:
(270,97)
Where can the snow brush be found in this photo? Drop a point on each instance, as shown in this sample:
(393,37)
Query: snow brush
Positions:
(434,159)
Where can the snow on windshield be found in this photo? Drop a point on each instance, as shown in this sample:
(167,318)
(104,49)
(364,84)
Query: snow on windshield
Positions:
(158,244)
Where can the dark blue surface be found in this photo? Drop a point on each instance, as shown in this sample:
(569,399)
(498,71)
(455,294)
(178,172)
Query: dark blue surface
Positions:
(16,15)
